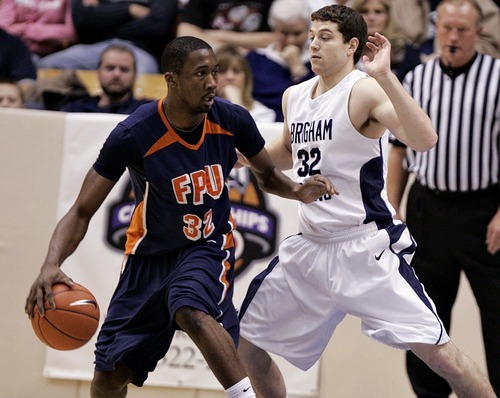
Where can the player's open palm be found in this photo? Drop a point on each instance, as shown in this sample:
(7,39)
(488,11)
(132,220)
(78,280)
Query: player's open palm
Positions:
(381,62)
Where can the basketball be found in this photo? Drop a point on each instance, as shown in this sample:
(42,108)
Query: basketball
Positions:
(72,323)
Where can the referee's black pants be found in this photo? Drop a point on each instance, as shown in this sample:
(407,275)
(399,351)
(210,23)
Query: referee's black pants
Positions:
(450,231)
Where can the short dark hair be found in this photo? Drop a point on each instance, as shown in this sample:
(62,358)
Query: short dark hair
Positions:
(350,24)
(175,53)
(120,48)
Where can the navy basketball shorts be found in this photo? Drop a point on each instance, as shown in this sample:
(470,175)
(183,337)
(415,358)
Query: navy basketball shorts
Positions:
(139,325)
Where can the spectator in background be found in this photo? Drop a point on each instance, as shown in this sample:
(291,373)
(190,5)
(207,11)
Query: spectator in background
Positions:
(145,27)
(453,207)
(378,18)
(11,94)
(236,83)
(285,61)
(218,22)
(16,63)
(46,27)
(117,75)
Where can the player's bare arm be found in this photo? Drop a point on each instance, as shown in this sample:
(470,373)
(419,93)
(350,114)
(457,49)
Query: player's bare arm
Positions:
(69,232)
(272,180)
(396,110)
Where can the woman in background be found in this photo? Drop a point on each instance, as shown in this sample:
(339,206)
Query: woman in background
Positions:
(378,18)
(236,83)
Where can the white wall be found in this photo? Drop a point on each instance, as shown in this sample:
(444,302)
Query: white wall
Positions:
(30,158)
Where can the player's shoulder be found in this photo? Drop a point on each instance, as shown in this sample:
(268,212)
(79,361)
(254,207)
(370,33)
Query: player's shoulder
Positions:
(225,109)
(141,114)
(363,84)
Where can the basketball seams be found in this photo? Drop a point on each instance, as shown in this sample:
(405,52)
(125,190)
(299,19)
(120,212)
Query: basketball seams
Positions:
(74,312)
(67,327)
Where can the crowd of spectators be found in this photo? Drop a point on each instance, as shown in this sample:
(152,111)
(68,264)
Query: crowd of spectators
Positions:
(271,37)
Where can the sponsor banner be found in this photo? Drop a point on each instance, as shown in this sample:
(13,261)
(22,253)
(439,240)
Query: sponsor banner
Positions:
(263,221)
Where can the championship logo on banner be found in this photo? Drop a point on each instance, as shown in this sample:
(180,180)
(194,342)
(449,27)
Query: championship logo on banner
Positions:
(262,221)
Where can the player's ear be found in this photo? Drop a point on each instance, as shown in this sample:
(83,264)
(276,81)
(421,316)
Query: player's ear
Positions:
(353,45)
(170,78)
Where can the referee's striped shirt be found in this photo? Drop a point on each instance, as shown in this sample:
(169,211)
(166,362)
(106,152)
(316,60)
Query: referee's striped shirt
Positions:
(464,109)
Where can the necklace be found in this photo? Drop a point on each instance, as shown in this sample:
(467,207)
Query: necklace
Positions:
(182,130)
(177,128)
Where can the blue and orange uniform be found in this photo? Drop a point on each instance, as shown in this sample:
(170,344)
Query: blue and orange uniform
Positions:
(179,248)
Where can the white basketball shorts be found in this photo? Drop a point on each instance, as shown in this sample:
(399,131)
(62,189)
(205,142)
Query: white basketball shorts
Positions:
(293,307)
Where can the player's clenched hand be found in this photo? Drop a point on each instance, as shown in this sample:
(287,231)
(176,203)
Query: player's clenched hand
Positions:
(41,289)
(493,234)
(313,188)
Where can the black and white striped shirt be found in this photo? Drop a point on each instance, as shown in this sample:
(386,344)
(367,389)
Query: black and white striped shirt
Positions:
(465,112)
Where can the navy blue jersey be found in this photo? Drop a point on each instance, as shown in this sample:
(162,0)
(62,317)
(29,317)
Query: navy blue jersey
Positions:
(180,188)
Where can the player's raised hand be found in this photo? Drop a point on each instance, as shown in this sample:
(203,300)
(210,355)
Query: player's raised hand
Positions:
(381,61)
(315,187)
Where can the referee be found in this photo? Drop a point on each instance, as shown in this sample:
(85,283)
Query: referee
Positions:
(453,206)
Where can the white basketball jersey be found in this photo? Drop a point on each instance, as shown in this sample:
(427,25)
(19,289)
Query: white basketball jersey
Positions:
(325,142)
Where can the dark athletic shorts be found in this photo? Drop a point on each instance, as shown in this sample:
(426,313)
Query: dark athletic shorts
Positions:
(139,325)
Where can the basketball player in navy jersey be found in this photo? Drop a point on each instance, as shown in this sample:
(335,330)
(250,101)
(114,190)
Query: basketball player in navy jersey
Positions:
(178,269)
(350,257)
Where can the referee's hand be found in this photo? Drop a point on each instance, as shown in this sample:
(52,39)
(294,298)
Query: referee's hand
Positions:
(493,234)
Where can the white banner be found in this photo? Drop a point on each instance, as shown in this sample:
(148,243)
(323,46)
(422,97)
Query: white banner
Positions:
(263,221)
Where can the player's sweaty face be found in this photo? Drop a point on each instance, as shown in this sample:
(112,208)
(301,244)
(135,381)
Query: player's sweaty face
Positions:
(198,80)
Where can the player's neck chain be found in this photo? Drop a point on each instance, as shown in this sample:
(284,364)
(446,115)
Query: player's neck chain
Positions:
(177,128)
(185,131)
(191,136)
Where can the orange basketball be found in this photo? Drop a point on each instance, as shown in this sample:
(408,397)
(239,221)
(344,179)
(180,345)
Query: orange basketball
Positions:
(72,323)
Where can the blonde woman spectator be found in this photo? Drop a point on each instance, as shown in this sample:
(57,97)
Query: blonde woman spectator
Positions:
(378,18)
(236,83)
(45,26)
(11,94)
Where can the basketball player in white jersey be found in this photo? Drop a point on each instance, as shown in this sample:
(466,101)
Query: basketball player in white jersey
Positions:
(350,256)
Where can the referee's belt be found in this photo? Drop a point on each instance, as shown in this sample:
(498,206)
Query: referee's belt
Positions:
(462,195)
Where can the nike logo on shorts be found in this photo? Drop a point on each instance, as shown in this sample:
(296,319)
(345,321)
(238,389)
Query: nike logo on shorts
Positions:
(380,255)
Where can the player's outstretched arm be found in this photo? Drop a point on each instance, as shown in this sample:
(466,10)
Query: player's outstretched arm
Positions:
(68,234)
(400,113)
(272,180)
